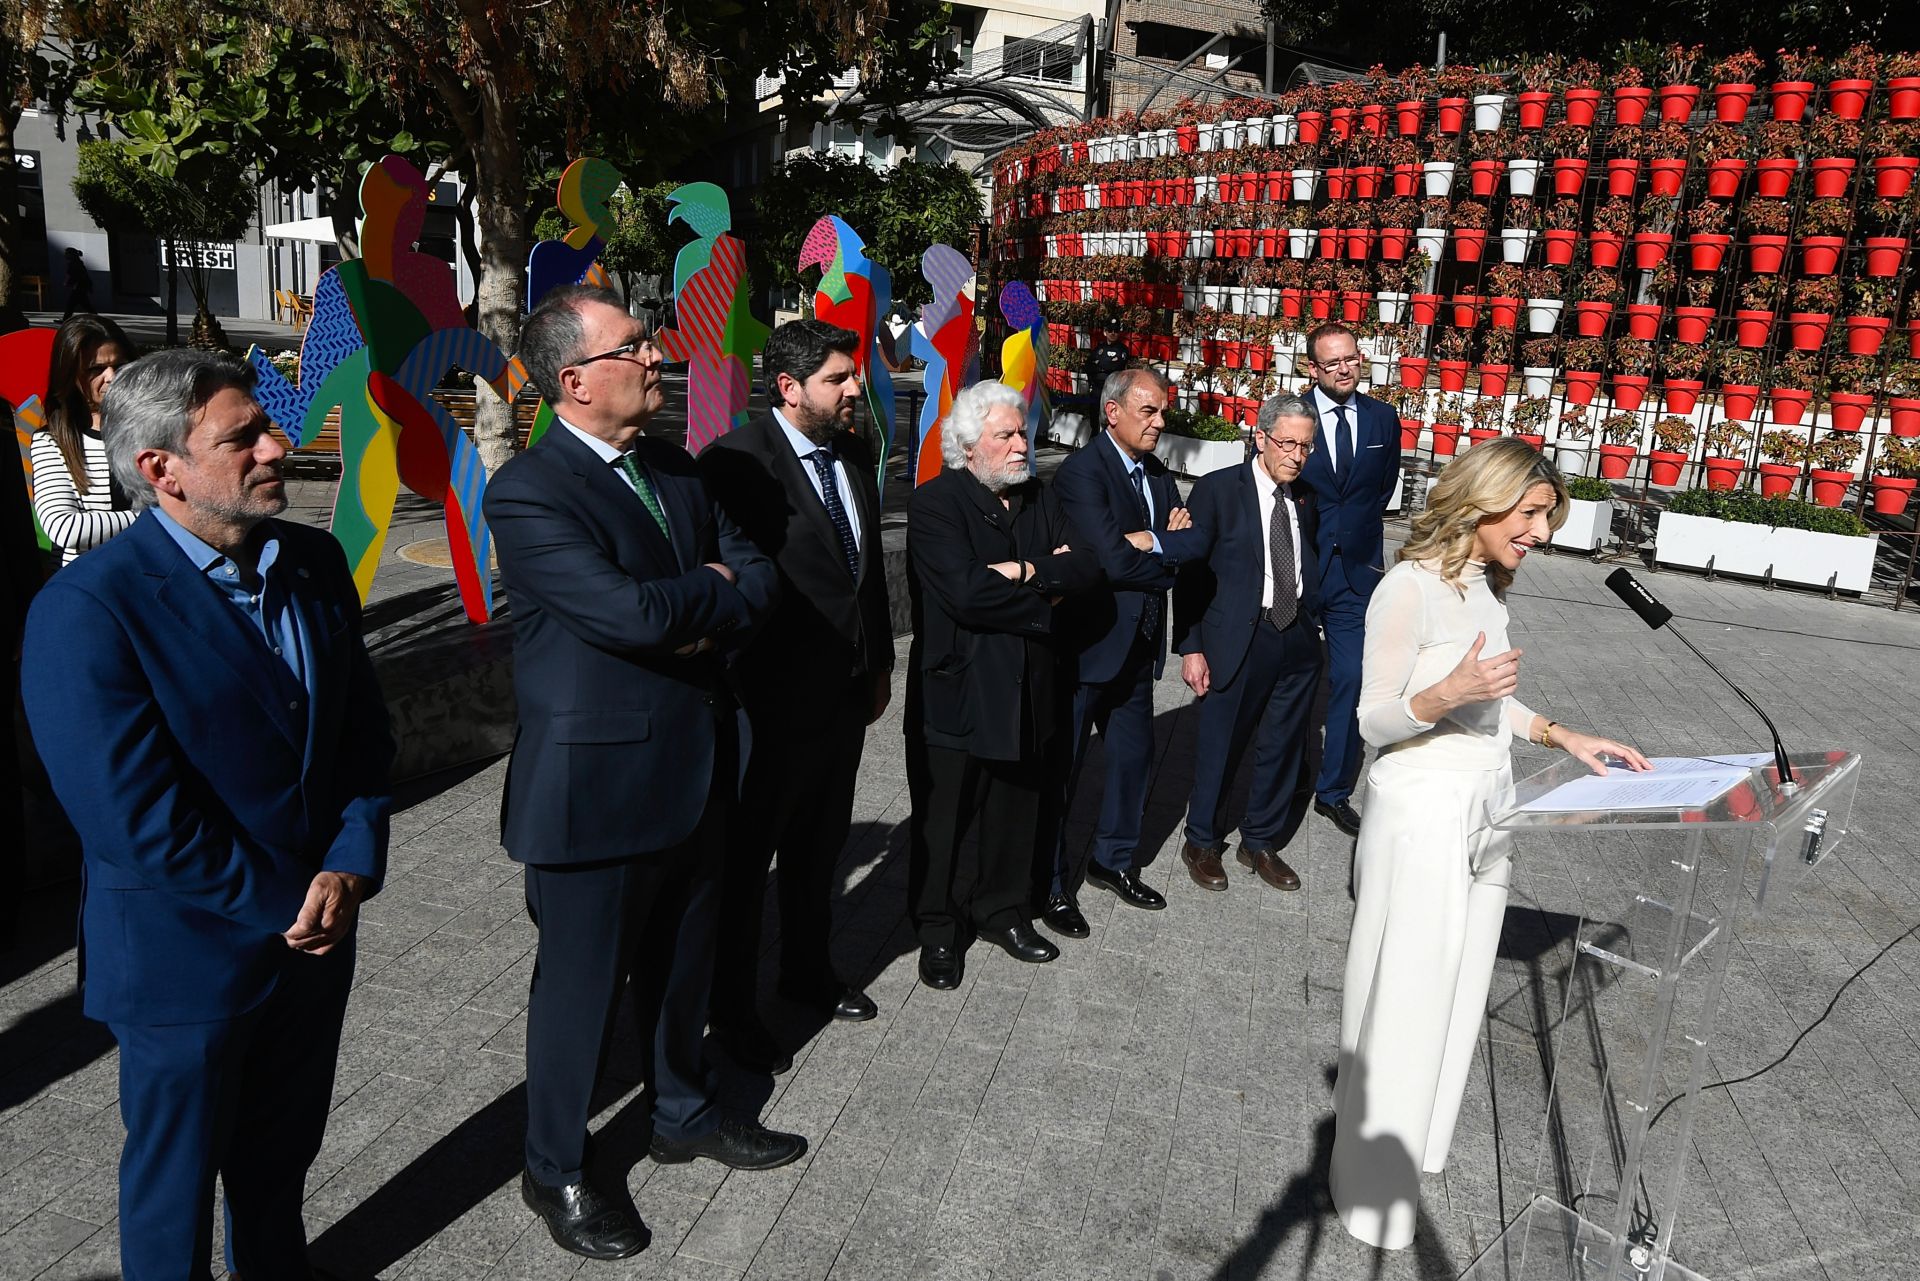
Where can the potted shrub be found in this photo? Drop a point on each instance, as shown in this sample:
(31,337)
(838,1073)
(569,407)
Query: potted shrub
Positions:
(1743,533)
(1726,454)
(1582,95)
(1896,157)
(1536,365)
(1632,366)
(1528,419)
(1902,381)
(1448,413)
(1620,444)
(1196,444)
(1683,369)
(1851,382)
(1796,380)
(1487,414)
(1895,472)
(1786,453)
(1589,514)
(1812,303)
(1852,84)
(1766,221)
(1585,358)
(1797,70)
(1674,436)
(1734,79)
(1903,85)
(1570,437)
(1830,467)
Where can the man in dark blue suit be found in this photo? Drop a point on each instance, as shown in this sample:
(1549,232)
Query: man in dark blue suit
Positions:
(200,693)
(627,582)
(1245,622)
(1125,508)
(1353,471)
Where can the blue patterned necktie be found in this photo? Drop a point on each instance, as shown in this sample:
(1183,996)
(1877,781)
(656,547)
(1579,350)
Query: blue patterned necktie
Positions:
(1343,447)
(1150,610)
(836,511)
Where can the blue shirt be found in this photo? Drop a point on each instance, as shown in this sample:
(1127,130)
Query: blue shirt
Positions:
(267,602)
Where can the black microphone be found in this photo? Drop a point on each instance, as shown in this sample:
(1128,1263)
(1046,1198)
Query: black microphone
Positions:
(1628,588)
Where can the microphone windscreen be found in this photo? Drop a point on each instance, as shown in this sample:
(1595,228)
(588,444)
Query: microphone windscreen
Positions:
(1638,599)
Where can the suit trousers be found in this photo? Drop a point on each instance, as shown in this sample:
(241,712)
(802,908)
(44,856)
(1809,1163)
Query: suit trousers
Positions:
(1122,711)
(953,888)
(245,1098)
(1432,880)
(1343,614)
(650,920)
(1266,705)
(797,801)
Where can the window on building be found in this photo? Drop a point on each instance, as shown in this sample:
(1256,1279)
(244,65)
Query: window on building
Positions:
(1168,43)
(1039,60)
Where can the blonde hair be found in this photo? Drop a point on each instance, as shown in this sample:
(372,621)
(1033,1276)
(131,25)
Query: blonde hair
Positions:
(1487,481)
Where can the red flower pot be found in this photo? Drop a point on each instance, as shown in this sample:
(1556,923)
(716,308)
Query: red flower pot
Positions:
(1738,400)
(1479,435)
(1848,409)
(1338,181)
(1568,173)
(1410,434)
(1665,174)
(1848,98)
(1394,243)
(1650,248)
(1590,318)
(1663,468)
(1493,379)
(1453,374)
(1446,439)
(1359,243)
(1774,175)
(1373,119)
(1450,115)
(1630,104)
(1582,105)
(1676,102)
(1307,126)
(1328,242)
(1291,302)
(1630,391)
(1790,98)
(1723,473)
(1884,254)
(1723,177)
(1621,176)
(1789,404)
(1777,479)
(1484,176)
(1582,384)
(1406,180)
(1806,330)
(1829,488)
(1730,102)
(1751,328)
(1706,250)
(1865,334)
(1340,123)
(1604,247)
(1320,303)
(1643,320)
(1903,98)
(1893,176)
(1913,339)
(1468,243)
(1903,414)
(1278,181)
(1766,254)
(1413,372)
(1466,311)
(1503,313)
(1366,181)
(1891,494)
(1532,108)
(1831,174)
(1559,246)
(1616,461)
(1681,394)
(1409,116)
(1353,305)
(1425,308)
(1692,324)
(1188,138)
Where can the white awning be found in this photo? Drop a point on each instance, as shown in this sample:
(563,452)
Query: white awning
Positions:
(319,230)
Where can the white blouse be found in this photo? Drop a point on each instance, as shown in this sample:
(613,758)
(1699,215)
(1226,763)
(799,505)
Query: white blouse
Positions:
(1418,629)
(74,522)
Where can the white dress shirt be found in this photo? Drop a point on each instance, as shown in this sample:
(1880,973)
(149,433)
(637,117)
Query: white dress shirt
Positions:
(803,448)
(1330,425)
(1264,489)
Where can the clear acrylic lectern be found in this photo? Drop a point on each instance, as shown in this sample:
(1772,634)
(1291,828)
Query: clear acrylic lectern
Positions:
(1629,1053)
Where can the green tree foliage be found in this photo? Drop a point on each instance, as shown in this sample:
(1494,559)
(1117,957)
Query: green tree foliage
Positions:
(27,75)
(897,211)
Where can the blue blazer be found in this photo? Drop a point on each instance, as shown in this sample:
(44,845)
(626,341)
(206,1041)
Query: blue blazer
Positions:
(617,737)
(1352,504)
(1216,602)
(205,805)
(1102,509)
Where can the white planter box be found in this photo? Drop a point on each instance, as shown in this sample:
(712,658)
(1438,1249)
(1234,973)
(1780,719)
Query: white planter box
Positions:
(1793,555)
(1071,430)
(1391,301)
(1191,457)
(1588,525)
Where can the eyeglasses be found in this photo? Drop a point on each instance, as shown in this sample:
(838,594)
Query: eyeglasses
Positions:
(1344,362)
(1281,444)
(620,353)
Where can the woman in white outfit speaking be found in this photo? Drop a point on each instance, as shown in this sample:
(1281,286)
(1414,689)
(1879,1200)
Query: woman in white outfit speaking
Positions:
(1436,701)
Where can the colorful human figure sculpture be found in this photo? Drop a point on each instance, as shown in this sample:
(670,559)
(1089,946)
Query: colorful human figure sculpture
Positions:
(715,334)
(1023,356)
(24,357)
(946,340)
(386,327)
(582,194)
(855,292)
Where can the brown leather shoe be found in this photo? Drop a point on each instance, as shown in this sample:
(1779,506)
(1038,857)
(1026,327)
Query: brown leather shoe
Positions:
(1269,867)
(1204,866)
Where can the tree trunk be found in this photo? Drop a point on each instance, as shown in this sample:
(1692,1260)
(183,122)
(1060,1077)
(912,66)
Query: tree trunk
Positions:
(500,204)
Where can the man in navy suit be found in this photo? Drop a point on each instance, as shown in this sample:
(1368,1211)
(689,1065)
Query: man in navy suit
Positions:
(200,693)
(1352,473)
(1245,622)
(627,582)
(1126,510)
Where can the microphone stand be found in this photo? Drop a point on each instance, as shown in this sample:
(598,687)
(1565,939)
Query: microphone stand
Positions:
(1787,780)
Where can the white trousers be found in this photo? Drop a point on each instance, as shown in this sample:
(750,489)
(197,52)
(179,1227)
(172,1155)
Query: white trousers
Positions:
(1430,883)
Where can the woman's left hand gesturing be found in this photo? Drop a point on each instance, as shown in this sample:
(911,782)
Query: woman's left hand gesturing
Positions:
(1594,750)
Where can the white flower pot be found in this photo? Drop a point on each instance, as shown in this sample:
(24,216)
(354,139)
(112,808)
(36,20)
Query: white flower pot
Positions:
(1432,241)
(1303,180)
(1195,297)
(1543,314)
(1299,241)
(1168,144)
(1215,295)
(1053,246)
(1379,370)
(1538,379)
(1514,243)
(1521,176)
(1439,175)
(1256,131)
(1070,430)
(1265,301)
(1206,188)
(1792,555)
(1487,110)
(1191,457)
(1588,522)
(1285,130)
(1209,137)
(1392,303)
(1230,135)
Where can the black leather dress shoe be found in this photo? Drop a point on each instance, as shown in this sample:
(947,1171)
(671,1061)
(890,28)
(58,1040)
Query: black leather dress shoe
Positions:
(1062,916)
(1132,890)
(846,1004)
(737,1143)
(1022,944)
(1344,816)
(941,967)
(585,1221)
(754,1048)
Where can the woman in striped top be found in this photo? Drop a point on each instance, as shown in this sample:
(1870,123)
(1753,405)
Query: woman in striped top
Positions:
(73,493)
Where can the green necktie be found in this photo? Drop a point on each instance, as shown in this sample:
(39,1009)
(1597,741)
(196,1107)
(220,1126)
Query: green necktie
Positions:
(644,487)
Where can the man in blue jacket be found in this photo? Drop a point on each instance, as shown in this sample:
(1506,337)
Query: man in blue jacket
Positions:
(1245,621)
(200,693)
(1352,473)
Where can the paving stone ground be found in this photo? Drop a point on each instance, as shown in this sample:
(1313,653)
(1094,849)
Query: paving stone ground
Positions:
(1152,1107)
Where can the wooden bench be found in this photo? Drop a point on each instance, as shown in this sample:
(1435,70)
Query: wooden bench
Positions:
(321,455)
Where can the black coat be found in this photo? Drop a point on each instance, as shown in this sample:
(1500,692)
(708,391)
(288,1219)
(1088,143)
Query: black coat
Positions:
(984,657)
(826,627)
